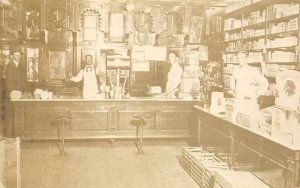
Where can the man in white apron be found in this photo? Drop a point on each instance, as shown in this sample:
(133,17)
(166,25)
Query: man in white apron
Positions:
(88,74)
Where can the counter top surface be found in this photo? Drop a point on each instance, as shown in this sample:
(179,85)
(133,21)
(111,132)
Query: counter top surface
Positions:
(82,100)
(255,131)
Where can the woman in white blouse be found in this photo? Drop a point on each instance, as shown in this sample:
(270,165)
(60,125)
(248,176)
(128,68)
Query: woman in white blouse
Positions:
(174,75)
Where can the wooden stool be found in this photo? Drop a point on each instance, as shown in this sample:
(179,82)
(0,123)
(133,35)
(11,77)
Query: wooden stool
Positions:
(141,121)
(61,132)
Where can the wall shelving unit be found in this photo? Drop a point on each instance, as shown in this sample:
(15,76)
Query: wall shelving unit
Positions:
(267,30)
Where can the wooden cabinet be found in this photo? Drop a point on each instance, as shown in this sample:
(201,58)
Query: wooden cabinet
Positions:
(249,149)
(102,118)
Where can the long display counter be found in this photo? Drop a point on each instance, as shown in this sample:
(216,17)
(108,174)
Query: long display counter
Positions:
(109,118)
(286,156)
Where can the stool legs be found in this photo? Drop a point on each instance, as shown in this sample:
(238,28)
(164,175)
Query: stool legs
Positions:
(61,138)
(139,138)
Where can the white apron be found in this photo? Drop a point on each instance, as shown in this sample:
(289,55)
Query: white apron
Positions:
(90,87)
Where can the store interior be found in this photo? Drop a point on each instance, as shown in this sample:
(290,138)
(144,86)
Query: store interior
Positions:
(158,93)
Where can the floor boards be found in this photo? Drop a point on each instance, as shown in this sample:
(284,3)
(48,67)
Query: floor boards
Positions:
(101,165)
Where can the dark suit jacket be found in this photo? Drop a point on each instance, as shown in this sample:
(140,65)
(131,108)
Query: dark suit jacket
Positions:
(15,77)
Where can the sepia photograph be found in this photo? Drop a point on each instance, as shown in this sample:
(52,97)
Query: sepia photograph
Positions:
(149,94)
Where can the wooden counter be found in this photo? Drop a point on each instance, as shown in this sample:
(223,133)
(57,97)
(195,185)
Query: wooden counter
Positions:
(285,155)
(107,118)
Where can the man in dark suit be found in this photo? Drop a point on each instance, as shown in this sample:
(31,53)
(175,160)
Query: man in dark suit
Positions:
(15,80)
(15,75)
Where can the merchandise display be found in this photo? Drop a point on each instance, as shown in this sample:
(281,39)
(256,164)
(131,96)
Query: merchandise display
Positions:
(220,76)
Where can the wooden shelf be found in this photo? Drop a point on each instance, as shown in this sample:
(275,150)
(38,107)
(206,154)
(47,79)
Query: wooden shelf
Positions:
(249,8)
(283,19)
(232,51)
(254,38)
(233,30)
(283,34)
(282,63)
(234,40)
(243,13)
(254,50)
(287,48)
(255,7)
(259,25)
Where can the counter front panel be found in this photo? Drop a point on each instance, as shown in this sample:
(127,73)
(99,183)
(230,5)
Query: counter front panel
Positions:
(36,119)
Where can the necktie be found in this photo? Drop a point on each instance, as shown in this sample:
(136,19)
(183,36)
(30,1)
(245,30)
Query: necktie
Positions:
(88,68)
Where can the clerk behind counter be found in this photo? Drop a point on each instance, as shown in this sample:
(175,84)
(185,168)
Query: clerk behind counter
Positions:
(250,83)
(174,75)
(88,75)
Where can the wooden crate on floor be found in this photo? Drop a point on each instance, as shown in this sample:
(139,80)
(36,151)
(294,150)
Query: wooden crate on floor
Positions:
(10,162)
(201,165)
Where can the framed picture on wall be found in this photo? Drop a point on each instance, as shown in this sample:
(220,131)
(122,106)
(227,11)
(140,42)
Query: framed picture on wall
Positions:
(32,64)
(32,25)
(57,68)
(90,27)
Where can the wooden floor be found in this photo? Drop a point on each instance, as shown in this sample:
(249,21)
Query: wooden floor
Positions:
(101,165)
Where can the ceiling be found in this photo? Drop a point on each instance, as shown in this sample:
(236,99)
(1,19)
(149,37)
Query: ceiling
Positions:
(221,3)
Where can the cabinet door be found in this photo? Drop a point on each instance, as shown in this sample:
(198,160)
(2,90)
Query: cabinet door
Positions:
(174,119)
(127,120)
(40,120)
(89,120)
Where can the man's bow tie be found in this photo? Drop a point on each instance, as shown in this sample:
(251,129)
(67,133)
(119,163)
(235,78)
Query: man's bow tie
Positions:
(88,68)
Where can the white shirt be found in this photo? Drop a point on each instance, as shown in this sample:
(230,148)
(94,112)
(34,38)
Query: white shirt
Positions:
(174,78)
(249,83)
(17,63)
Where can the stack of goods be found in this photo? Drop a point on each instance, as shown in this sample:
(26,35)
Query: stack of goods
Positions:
(201,165)
(286,114)
(273,69)
(210,81)
(229,108)
(255,17)
(282,42)
(282,10)
(238,5)
(237,179)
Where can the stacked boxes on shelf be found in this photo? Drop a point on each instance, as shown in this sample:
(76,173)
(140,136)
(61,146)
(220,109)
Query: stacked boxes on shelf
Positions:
(255,17)
(280,27)
(281,56)
(201,165)
(273,69)
(233,46)
(276,11)
(266,31)
(248,33)
(282,42)
(237,5)
(232,23)
(232,36)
